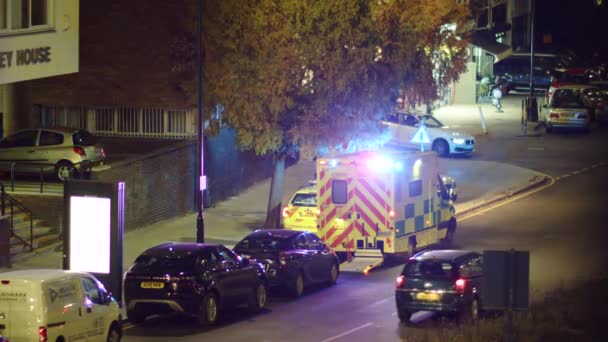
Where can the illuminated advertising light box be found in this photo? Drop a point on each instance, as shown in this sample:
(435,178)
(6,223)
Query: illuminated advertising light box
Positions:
(93,230)
(90,234)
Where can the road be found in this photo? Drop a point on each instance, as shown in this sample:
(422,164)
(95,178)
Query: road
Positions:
(563,227)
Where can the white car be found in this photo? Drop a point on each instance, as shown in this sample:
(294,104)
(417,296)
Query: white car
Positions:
(441,139)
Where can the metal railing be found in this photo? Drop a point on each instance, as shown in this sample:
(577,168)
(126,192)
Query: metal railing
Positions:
(121,121)
(84,168)
(12,203)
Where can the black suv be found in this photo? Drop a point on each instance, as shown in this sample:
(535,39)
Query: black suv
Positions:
(292,259)
(192,278)
(444,281)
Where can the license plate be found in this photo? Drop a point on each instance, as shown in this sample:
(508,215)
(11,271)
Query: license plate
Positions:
(152,285)
(428,296)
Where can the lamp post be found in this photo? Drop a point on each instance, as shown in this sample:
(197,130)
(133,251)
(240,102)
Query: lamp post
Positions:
(200,178)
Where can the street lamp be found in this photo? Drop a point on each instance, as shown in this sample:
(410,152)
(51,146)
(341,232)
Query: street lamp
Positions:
(201,182)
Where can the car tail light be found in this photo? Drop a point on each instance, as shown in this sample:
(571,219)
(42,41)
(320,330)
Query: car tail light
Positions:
(42,334)
(286,212)
(6,282)
(79,150)
(459,285)
(554,116)
(391,213)
(400,282)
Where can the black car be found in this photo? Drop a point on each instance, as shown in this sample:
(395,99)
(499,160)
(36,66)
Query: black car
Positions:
(292,259)
(195,279)
(444,281)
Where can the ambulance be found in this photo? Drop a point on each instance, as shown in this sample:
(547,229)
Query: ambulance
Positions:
(374,205)
(301,212)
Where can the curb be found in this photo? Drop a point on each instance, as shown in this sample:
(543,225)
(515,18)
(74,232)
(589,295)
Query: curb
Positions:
(544,180)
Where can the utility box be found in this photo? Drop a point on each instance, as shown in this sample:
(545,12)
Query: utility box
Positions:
(5,241)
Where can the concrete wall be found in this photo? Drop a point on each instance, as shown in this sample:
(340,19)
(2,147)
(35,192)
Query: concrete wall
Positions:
(464,89)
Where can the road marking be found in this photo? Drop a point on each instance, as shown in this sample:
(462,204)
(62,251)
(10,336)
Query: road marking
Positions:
(126,326)
(585,169)
(348,332)
(576,172)
(536,148)
(510,199)
(382,301)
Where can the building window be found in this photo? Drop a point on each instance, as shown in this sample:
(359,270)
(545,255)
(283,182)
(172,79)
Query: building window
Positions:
(20,15)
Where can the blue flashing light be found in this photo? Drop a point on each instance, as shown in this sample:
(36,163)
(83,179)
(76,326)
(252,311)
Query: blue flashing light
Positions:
(398,166)
(333,163)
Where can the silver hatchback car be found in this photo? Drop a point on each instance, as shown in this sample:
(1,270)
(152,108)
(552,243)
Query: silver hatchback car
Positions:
(62,151)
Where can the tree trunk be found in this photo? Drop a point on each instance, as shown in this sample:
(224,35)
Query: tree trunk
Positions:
(273,214)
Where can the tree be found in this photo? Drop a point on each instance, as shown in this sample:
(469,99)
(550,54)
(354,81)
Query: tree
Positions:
(311,75)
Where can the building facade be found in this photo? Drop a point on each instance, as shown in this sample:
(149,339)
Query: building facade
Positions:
(38,39)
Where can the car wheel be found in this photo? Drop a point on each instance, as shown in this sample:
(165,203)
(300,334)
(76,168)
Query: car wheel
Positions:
(470,312)
(297,288)
(64,170)
(135,317)
(404,316)
(441,147)
(333,275)
(208,311)
(114,334)
(257,301)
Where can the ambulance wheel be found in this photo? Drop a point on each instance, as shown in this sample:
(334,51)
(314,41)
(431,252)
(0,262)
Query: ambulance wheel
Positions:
(404,316)
(411,247)
(297,286)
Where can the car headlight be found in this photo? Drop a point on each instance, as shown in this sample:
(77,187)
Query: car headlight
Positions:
(458,141)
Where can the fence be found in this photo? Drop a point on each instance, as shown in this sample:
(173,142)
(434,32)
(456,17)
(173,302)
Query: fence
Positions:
(120,121)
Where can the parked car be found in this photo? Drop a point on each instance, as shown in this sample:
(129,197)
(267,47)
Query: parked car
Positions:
(57,305)
(596,100)
(443,281)
(301,212)
(196,279)
(566,109)
(442,139)
(292,259)
(61,151)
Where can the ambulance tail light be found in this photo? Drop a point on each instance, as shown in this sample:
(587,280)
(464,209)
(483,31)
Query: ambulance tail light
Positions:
(286,212)
(322,162)
(459,285)
(43,334)
(400,282)
(318,212)
(392,214)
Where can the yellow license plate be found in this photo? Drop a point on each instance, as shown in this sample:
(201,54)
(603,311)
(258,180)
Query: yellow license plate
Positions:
(428,296)
(152,285)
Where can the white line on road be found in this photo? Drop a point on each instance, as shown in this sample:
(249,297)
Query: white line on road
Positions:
(382,301)
(585,169)
(348,332)
(576,172)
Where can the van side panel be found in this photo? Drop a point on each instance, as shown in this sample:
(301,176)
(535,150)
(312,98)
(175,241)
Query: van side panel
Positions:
(21,310)
(62,300)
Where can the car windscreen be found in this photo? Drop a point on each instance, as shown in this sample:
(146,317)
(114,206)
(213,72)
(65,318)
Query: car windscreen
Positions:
(304,200)
(263,243)
(83,138)
(174,262)
(429,269)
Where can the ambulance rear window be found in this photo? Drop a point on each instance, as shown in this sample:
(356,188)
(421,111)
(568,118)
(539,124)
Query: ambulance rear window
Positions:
(339,191)
(304,200)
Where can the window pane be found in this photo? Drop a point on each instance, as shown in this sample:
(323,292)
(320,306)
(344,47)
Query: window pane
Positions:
(339,191)
(3,16)
(20,14)
(39,12)
(50,138)
(416,188)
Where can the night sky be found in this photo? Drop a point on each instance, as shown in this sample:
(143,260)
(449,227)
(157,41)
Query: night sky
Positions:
(577,25)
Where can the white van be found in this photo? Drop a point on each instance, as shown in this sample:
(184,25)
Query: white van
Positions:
(56,306)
